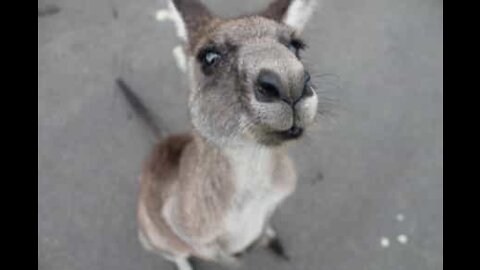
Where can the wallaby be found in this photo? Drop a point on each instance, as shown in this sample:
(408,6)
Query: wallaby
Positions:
(210,193)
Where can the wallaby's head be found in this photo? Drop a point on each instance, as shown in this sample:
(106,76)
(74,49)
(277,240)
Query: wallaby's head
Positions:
(247,78)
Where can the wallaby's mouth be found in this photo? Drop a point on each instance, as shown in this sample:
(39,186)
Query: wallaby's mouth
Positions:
(293,133)
(275,138)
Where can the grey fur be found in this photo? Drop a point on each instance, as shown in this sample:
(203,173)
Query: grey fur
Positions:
(232,168)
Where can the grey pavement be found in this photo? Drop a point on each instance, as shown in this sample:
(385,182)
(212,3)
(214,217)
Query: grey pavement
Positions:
(369,172)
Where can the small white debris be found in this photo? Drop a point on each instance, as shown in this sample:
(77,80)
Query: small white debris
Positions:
(400,217)
(402,239)
(385,242)
(180,58)
(162,15)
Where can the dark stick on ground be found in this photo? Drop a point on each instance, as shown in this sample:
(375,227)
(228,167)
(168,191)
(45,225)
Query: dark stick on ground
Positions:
(138,106)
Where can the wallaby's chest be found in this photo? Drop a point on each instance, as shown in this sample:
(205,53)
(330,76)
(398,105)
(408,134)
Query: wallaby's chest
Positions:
(255,198)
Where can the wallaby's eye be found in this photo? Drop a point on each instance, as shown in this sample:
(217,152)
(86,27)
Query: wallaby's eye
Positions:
(295,46)
(292,48)
(211,58)
(208,57)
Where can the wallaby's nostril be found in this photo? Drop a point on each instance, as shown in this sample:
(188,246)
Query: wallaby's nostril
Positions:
(268,86)
(307,91)
(307,78)
(268,89)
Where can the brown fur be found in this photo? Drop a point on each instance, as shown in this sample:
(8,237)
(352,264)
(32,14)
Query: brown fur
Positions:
(179,165)
(276,10)
(200,175)
(199,190)
(157,181)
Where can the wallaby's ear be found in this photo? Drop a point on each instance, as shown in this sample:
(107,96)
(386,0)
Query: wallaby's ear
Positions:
(190,17)
(294,13)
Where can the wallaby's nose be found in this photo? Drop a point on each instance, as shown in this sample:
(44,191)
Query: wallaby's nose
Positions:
(269,88)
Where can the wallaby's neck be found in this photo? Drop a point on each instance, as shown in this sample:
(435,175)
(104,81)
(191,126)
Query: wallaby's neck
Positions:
(249,162)
(249,150)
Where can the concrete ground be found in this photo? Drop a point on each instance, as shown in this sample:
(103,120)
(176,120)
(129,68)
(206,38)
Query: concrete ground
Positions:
(370,195)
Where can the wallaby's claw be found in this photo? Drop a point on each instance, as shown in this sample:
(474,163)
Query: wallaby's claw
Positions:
(277,248)
(193,263)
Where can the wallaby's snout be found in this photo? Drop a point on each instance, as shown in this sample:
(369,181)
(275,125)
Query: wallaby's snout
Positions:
(278,74)
(288,87)
(282,100)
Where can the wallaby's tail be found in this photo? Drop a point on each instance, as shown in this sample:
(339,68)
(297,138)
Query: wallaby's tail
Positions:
(139,107)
